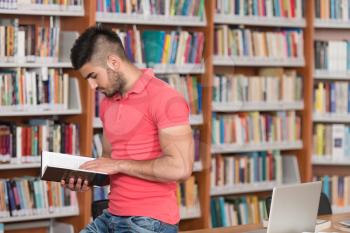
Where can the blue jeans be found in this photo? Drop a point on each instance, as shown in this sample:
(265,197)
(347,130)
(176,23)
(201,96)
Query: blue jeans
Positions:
(108,223)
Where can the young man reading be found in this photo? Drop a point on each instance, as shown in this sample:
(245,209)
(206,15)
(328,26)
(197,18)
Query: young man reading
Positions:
(147,139)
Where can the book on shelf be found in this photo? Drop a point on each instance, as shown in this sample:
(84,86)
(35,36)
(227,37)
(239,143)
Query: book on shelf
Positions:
(32,43)
(255,127)
(252,168)
(29,196)
(331,140)
(337,189)
(275,85)
(40,88)
(58,166)
(332,55)
(233,211)
(332,97)
(292,9)
(332,10)
(41,5)
(22,143)
(187,193)
(149,7)
(242,42)
(160,47)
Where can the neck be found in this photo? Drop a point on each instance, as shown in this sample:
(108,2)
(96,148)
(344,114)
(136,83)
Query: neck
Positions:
(131,74)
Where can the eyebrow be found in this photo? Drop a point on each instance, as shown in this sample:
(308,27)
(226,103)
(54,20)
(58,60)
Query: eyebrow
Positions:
(89,75)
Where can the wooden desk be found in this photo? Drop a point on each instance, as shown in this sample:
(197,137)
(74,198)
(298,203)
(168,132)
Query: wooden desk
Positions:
(244,228)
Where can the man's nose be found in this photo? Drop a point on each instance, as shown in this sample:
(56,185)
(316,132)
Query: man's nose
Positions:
(92,84)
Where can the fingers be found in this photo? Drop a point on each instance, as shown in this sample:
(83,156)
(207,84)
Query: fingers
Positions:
(76,185)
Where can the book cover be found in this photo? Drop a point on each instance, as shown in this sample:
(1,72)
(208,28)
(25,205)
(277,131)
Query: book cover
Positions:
(57,167)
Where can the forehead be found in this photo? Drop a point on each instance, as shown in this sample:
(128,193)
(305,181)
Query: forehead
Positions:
(88,68)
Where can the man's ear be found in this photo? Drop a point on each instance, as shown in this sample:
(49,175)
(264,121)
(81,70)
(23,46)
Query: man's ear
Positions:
(114,62)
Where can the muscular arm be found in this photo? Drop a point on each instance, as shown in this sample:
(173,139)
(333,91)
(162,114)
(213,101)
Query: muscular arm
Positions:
(106,147)
(174,164)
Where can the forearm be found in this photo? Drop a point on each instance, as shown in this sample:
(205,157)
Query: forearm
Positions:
(162,169)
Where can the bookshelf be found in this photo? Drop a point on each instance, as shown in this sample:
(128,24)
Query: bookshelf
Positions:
(328,164)
(78,111)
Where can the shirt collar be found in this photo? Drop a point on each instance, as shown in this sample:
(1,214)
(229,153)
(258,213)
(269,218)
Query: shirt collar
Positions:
(140,84)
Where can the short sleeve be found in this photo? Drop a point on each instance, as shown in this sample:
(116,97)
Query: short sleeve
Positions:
(170,109)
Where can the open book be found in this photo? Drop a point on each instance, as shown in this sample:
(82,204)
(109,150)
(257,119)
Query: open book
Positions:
(58,166)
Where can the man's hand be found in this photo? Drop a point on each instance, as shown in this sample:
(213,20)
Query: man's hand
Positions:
(103,164)
(80,185)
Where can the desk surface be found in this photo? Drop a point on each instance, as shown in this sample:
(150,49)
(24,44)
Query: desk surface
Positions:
(240,229)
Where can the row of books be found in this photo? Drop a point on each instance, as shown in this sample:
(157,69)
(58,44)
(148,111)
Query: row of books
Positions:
(232,211)
(268,8)
(337,189)
(332,97)
(29,43)
(241,88)
(246,169)
(255,127)
(332,9)
(35,4)
(331,140)
(253,43)
(29,196)
(162,47)
(189,87)
(100,192)
(332,55)
(24,142)
(34,87)
(149,7)
(187,193)
(97,144)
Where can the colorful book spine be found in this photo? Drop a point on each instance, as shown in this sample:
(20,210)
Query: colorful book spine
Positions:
(24,142)
(35,88)
(150,7)
(263,8)
(239,88)
(238,42)
(331,140)
(332,97)
(332,10)
(252,168)
(187,194)
(233,211)
(255,128)
(29,196)
(332,55)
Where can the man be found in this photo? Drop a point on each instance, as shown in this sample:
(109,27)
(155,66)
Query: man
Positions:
(147,139)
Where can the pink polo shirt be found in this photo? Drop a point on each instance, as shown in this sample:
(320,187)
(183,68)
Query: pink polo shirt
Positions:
(131,125)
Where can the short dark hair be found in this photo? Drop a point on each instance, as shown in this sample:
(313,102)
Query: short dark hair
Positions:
(87,45)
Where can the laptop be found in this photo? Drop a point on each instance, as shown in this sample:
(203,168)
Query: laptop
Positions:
(293,208)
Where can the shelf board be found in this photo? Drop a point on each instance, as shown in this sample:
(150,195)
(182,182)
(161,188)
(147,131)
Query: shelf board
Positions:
(197,166)
(194,120)
(340,210)
(35,65)
(234,148)
(258,61)
(9,166)
(190,213)
(331,117)
(40,216)
(333,23)
(257,106)
(179,69)
(329,160)
(259,21)
(19,112)
(243,188)
(42,12)
(123,18)
(331,75)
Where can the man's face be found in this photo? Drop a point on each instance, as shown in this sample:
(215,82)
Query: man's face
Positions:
(107,81)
